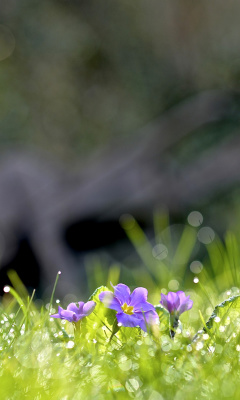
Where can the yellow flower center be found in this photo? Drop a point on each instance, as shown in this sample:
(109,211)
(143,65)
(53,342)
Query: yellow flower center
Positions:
(127,309)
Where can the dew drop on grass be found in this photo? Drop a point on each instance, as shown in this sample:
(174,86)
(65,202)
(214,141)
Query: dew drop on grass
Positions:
(125,365)
(173,285)
(222,328)
(205,336)
(115,385)
(135,366)
(160,251)
(196,267)
(199,346)
(166,346)
(206,235)
(188,376)
(211,349)
(195,218)
(132,385)
(70,344)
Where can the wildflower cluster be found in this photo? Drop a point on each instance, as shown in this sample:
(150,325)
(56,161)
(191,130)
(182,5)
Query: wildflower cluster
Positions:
(133,309)
(75,313)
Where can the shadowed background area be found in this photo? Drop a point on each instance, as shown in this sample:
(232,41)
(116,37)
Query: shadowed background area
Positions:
(107,110)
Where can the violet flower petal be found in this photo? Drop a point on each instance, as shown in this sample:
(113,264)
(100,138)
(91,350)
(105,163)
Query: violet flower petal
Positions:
(164,301)
(151,317)
(144,307)
(122,293)
(187,305)
(56,316)
(185,302)
(74,308)
(59,314)
(139,295)
(182,296)
(173,301)
(80,305)
(128,320)
(108,299)
(88,307)
(68,315)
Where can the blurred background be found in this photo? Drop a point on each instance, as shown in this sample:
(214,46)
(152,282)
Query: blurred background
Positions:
(109,111)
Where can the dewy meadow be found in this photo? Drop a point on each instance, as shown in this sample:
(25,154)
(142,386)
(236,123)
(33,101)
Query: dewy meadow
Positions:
(169,328)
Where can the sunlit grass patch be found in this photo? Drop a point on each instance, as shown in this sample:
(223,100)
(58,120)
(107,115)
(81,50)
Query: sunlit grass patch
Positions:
(95,357)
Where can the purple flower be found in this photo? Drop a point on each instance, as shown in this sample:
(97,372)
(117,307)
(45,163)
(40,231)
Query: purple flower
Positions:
(176,303)
(132,309)
(74,313)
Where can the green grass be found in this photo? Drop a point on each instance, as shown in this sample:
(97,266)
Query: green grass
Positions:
(46,358)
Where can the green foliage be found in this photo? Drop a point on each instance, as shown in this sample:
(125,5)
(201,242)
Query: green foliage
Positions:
(224,312)
(224,323)
(98,326)
(44,358)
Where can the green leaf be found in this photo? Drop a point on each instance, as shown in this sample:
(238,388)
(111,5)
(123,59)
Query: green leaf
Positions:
(224,321)
(224,313)
(106,314)
(98,325)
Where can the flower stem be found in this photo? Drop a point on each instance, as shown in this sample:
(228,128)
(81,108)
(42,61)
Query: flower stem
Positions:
(173,325)
(115,329)
(77,329)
